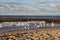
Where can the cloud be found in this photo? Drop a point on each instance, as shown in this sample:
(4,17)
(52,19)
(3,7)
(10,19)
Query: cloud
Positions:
(40,0)
(53,6)
(38,8)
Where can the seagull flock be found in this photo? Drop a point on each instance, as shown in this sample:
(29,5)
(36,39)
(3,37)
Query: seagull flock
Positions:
(28,24)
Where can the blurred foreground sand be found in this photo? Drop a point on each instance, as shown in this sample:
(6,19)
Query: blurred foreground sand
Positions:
(32,34)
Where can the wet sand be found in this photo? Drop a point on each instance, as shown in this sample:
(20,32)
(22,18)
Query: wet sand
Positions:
(43,33)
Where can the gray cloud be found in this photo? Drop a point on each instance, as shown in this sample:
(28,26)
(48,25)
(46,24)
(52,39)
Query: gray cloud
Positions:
(29,9)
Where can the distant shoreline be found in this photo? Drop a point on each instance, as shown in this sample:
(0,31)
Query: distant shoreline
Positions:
(29,16)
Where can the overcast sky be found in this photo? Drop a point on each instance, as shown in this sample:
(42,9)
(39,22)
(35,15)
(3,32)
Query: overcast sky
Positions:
(29,7)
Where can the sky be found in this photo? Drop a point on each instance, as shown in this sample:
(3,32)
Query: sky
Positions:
(29,7)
